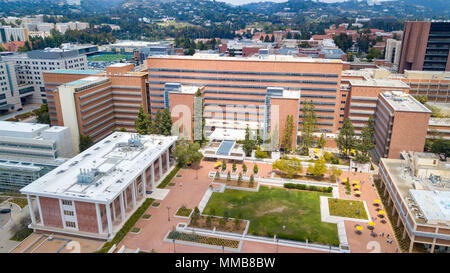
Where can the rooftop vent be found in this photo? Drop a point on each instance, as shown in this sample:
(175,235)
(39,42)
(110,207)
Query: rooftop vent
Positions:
(86,177)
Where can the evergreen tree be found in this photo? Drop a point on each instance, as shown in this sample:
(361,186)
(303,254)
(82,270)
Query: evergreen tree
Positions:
(267,39)
(367,141)
(346,138)
(166,123)
(286,142)
(142,123)
(321,142)
(157,123)
(85,142)
(309,124)
(249,144)
(42,115)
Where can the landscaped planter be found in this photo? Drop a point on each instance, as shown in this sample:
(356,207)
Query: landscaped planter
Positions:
(193,239)
(183,213)
(229,227)
(135,230)
(156,205)
(146,217)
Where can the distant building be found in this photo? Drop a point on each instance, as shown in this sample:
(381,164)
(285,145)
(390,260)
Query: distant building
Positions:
(9,34)
(392,51)
(425,46)
(28,151)
(30,66)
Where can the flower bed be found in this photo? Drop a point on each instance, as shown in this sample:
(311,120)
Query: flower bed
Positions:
(307,188)
(234,183)
(201,239)
(307,177)
(146,216)
(135,230)
(184,212)
(156,204)
(229,226)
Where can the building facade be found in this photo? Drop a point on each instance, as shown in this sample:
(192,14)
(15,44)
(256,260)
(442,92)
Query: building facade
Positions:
(425,46)
(94,193)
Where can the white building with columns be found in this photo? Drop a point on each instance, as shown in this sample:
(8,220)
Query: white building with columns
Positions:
(95,192)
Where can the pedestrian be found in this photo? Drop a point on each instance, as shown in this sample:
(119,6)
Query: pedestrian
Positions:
(382,234)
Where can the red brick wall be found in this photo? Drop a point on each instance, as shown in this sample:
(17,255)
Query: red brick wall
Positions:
(285,107)
(86,216)
(51,212)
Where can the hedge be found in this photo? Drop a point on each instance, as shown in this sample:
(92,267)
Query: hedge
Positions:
(307,188)
(169,177)
(129,224)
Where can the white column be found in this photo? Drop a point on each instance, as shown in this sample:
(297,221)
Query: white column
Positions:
(114,209)
(40,210)
(108,217)
(125,198)
(167,159)
(99,218)
(144,183)
(133,194)
(122,207)
(160,167)
(30,206)
(153,177)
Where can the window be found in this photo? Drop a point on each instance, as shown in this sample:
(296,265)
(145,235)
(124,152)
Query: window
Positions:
(71,224)
(68,212)
(67,202)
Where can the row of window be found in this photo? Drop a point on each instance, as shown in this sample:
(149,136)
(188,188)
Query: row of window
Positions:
(245,73)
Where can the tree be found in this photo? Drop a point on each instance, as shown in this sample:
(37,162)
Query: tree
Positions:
(208,221)
(288,167)
(239,181)
(228,176)
(286,142)
(244,167)
(421,99)
(251,182)
(321,142)
(224,165)
(318,169)
(187,153)
(166,123)
(157,123)
(335,172)
(343,41)
(346,138)
(366,142)
(255,169)
(309,125)
(249,144)
(85,142)
(441,146)
(267,39)
(142,122)
(234,166)
(42,115)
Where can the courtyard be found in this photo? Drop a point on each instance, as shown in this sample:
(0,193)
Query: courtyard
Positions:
(290,214)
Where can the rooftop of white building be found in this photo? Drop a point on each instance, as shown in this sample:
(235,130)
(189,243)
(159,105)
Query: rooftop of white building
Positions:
(20,127)
(108,168)
(400,101)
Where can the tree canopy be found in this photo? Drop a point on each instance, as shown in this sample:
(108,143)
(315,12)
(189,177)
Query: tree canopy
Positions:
(187,153)
(346,138)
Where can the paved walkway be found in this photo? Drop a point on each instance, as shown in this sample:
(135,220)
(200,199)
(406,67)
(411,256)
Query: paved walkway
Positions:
(25,109)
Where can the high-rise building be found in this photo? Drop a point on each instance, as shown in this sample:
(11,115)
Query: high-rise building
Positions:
(425,46)
(10,34)
(392,52)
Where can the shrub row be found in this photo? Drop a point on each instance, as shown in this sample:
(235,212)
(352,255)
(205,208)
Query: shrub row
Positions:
(169,177)
(127,226)
(308,188)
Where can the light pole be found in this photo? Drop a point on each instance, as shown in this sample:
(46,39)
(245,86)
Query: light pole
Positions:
(173,245)
(168,214)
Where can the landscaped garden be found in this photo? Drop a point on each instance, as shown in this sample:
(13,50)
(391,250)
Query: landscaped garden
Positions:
(201,239)
(183,211)
(347,208)
(220,223)
(271,209)
(22,202)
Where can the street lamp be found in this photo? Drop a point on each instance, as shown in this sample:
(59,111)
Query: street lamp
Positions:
(173,245)
(168,213)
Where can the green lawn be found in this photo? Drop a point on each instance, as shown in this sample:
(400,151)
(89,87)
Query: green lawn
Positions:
(269,209)
(347,208)
(109,57)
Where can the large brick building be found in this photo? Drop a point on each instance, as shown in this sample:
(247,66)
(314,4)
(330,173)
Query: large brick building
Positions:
(94,193)
(425,46)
